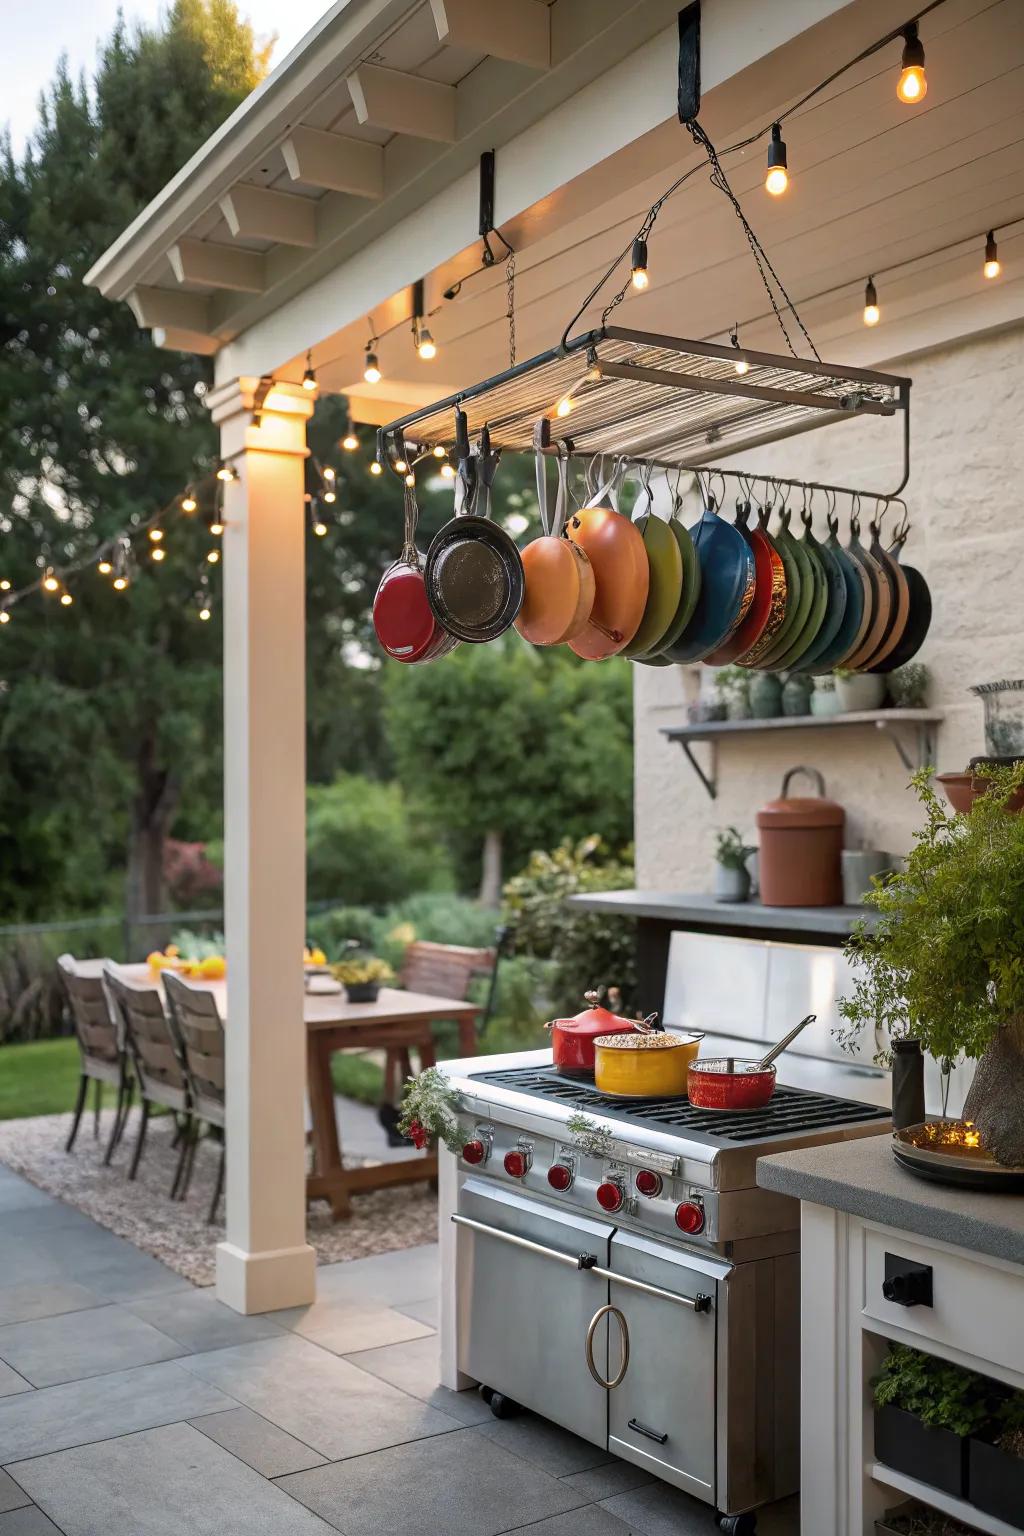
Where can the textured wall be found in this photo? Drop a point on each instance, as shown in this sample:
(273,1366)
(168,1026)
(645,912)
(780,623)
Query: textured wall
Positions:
(966,499)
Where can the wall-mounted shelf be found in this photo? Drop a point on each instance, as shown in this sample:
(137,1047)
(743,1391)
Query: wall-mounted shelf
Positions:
(918,726)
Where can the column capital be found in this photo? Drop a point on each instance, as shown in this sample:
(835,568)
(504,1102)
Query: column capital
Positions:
(283,414)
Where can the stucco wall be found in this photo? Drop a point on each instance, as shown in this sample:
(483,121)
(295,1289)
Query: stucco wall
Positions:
(966,500)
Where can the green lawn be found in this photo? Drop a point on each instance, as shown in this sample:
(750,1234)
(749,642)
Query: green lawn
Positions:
(40,1079)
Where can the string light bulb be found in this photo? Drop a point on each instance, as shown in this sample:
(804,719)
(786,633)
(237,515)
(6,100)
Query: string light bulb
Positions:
(216,526)
(564,406)
(371,366)
(375,468)
(350,442)
(104,567)
(309,377)
(425,344)
(5,585)
(777,178)
(638,262)
(213,555)
(5,617)
(872,313)
(912,85)
(447,471)
(400,466)
(119,583)
(188,503)
(156,534)
(158,553)
(439,453)
(204,614)
(992,267)
(66,599)
(319,528)
(50,582)
(330,496)
(741,365)
(225,473)
(410,478)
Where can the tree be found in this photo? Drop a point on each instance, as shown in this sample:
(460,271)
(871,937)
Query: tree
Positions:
(509,749)
(118,696)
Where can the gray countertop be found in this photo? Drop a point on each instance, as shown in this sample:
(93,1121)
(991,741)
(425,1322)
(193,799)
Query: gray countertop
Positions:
(690,907)
(863,1178)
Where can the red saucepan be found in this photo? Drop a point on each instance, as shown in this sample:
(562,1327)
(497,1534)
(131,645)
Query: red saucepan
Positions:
(572,1040)
(733,1082)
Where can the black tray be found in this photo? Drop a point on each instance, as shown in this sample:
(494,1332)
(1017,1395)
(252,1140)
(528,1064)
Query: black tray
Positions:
(935,1150)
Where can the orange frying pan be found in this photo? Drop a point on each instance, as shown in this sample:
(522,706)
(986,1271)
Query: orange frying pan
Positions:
(900,592)
(616,550)
(878,609)
(559,577)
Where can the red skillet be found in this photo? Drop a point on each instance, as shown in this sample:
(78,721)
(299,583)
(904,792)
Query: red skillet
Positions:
(769,602)
(734,1082)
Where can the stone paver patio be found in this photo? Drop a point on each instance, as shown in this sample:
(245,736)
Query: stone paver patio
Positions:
(133,1404)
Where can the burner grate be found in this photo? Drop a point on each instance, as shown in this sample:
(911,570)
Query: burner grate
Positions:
(789,1112)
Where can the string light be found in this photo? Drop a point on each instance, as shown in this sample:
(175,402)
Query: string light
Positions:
(158,553)
(777,179)
(225,473)
(104,567)
(66,599)
(400,466)
(375,468)
(447,471)
(641,280)
(120,583)
(50,582)
(156,534)
(330,497)
(188,503)
(741,365)
(872,313)
(912,85)
(371,365)
(204,613)
(5,617)
(5,585)
(992,267)
(564,405)
(309,377)
(350,442)
(439,451)
(425,344)
(213,555)
(410,478)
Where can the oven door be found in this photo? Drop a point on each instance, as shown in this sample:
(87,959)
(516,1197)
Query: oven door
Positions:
(526,1305)
(662,1413)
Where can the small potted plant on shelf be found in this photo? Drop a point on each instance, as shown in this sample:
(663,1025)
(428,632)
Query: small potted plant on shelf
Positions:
(914,1519)
(908,685)
(824,699)
(733,687)
(859,691)
(945,961)
(362,976)
(996,1462)
(926,1409)
(732,878)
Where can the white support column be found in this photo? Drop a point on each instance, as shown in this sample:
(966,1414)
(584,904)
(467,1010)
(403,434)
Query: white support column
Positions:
(265,1261)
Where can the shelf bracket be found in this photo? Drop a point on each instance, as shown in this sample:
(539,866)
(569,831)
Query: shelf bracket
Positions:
(925,740)
(710,784)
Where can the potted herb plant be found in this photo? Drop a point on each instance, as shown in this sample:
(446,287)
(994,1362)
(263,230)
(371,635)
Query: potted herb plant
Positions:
(732,878)
(908,685)
(926,1409)
(945,962)
(362,976)
(859,691)
(996,1462)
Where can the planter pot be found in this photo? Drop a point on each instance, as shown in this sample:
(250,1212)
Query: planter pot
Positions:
(737,709)
(362,991)
(825,703)
(995,1099)
(996,1482)
(859,864)
(796,696)
(731,884)
(933,1456)
(765,696)
(861,691)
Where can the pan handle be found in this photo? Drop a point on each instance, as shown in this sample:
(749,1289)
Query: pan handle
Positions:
(777,1050)
(613,1381)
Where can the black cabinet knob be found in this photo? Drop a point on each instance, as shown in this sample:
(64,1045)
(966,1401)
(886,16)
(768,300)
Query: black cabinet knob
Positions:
(906,1283)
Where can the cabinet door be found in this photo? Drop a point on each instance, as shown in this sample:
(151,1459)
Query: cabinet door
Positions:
(662,1415)
(524,1313)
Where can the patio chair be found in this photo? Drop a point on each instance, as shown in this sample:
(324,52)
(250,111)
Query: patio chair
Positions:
(101,1050)
(201,1032)
(158,1058)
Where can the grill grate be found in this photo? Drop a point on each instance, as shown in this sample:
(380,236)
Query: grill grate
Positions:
(788,1112)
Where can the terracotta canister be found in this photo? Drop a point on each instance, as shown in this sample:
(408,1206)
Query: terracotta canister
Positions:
(801,846)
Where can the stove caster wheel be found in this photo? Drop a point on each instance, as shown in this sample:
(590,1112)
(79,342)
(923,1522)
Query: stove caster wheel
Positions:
(486,1392)
(503,1407)
(737,1525)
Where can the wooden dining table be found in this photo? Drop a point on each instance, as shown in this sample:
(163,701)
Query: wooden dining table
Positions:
(397,1019)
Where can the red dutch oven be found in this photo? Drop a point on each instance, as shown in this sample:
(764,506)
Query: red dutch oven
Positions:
(572,1040)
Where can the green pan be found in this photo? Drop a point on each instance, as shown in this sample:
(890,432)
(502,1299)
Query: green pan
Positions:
(806,637)
(803,586)
(835,598)
(845,639)
(665,590)
(687,599)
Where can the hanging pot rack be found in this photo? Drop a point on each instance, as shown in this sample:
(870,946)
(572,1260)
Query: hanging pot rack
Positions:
(659,400)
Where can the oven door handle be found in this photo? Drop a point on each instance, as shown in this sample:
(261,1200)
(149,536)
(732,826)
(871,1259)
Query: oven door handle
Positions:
(613,1381)
(586,1262)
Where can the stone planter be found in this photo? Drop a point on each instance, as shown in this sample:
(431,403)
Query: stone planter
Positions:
(860,691)
(731,884)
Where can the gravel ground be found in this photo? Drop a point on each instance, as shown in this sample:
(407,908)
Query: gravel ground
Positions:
(177,1232)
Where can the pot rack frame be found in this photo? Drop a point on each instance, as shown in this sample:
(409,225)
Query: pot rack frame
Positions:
(660,400)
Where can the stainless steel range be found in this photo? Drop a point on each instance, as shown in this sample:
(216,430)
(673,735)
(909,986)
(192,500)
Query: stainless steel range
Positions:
(631,1282)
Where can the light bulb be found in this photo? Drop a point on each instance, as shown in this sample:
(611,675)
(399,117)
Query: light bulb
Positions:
(438,454)
(5,617)
(213,555)
(872,313)
(564,406)
(119,583)
(188,503)
(309,377)
(991,267)
(330,497)
(375,468)
(5,585)
(426,346)
(371,370)
(740,363)
(741,366)
(350,442)
(410,478)
(157,553)
(777,179)
(204,614)
(216,528)
(156,534)
(912,85)
(50,582)
(104,567)
(225,472)
(400,466)
(319,529)
(66,599)
(447,471)
(639,265)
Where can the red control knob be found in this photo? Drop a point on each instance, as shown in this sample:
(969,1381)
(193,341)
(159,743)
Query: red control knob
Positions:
(560,1176)
(648,1183)
(474,1152)
(517,1162)
(690,1217)
(610,1196)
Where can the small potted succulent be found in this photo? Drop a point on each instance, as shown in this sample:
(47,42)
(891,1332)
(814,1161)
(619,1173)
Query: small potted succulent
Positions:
(733,686)
(926,1410)
(732,877)
(362,976)
(908,685)
(859,691)
(824,699)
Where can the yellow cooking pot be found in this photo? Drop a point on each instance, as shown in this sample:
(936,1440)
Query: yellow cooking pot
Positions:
(644,1065)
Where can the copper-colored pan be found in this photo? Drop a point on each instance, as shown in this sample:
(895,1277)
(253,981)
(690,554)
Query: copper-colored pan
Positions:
(900,592)
(616,550)
(881,600)
(559,578)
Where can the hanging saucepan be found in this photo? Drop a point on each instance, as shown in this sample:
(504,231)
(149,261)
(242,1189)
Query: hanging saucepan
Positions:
(558,577)
(805,588)
(474,572)
(880,603)
(736,1082)
(900,593)
(855,580)
(689,591)
(616,551)
(835,603)
(769,605)
(402,616)
(920,616)
(665,573)
(727,581)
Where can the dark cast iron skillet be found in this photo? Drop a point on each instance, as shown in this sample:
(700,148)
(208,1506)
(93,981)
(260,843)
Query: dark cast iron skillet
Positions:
(920,616)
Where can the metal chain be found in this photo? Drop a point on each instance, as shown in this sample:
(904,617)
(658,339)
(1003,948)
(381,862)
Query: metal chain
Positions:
(510,281)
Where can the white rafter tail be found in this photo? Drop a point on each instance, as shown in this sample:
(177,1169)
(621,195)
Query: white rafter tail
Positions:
(170,338)
(399,103)
(257,213)
(517,31)
(217,266)
(334,163)
(170,308)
